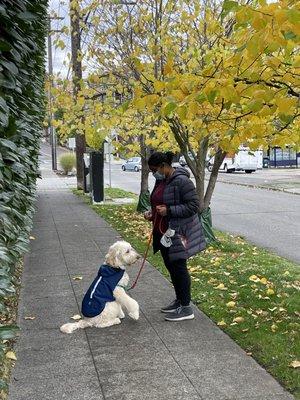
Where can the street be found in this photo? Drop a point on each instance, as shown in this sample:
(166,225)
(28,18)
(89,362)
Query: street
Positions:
(267,218)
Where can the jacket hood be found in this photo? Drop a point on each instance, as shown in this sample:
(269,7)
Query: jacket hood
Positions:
(107,271)
(179,171)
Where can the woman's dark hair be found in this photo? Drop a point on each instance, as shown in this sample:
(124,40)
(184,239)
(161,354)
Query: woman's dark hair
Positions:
(158,158)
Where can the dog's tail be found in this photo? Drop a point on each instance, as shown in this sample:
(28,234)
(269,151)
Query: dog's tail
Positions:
(72,326)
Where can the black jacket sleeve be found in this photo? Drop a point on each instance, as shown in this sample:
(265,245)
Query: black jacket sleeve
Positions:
(189,202)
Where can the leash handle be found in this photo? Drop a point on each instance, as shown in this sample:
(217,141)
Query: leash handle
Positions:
(145,255)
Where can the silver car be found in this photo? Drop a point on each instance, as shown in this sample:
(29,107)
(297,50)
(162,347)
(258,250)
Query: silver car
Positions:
(133,164)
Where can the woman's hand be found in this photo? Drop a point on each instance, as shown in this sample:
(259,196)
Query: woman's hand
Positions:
(161,210)
(148,215)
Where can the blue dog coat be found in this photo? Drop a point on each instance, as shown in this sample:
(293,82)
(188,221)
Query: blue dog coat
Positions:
(101,290)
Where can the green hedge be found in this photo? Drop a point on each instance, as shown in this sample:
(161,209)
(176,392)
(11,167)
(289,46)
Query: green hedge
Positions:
(22,52)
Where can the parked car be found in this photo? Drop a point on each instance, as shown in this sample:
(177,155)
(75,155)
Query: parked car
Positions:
(182,160)
(243,160)
(132,164)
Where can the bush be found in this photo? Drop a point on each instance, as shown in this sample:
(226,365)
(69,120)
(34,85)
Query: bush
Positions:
(67,162)
(22,51)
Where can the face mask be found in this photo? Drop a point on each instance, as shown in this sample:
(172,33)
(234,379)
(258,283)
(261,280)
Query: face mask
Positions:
(158,176)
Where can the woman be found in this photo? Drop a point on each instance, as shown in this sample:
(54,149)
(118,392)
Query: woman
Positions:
(177,231)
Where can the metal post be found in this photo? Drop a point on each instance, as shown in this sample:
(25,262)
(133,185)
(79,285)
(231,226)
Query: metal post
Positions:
(109,161)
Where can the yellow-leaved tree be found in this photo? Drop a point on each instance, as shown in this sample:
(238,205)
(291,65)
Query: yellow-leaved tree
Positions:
(213,75)
(220,75)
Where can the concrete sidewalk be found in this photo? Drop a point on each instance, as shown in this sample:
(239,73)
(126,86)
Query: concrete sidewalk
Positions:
(146,360)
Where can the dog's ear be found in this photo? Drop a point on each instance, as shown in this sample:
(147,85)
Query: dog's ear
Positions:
(111,257)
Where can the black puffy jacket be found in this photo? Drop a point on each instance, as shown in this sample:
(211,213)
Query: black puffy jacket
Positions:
(182,203)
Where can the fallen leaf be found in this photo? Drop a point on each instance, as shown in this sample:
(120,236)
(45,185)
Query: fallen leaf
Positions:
(295,364)
(221,286)
(254,278)
(264,281)
(231,304)
(245,330)
(76,317)
(233,323)
(249,354)
(11,355)
(195,279)
(238,319)
(286,273)
(270,292)
(273,309)
(77,278)
(31,318)
(221,323)
(274,328)
(31,237)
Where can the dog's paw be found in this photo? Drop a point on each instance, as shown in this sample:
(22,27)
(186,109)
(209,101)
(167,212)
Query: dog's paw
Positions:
(67,328)
(134,315)
(121,314)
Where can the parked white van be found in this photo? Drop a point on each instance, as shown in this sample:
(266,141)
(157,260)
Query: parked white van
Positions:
(243,160)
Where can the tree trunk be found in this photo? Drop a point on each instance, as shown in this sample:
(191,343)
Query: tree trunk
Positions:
(144,197)
(200,171)
(76,78)
(219,158)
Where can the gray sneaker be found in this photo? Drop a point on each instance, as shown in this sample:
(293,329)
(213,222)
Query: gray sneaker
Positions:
(181,314)
(172,307)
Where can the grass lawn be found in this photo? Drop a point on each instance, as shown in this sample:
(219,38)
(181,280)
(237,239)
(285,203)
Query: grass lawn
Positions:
(114,193)
(252,294)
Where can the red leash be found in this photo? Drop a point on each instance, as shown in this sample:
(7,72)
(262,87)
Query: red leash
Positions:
(145,255)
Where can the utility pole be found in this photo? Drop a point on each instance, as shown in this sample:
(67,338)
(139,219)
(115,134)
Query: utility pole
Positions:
(76,78)
(50,73)
(53,139)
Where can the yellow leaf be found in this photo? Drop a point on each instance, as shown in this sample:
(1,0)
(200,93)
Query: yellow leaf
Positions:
(77,278)
(238,319)
(231,304)
(274,328)
(76,317)
(254,278)
(159,86)
(221,323)
(11,355)
(295,364)
(168,68)
(270,292)
(221,287)
(285,105)
(264,281)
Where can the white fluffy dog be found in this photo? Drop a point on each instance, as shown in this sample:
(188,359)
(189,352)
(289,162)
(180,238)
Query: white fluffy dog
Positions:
(106,298)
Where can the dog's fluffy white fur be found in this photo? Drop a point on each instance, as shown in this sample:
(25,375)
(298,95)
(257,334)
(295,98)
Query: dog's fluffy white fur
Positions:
(120,255)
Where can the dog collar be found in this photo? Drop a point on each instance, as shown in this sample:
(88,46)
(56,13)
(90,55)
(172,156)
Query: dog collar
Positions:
(123,287)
